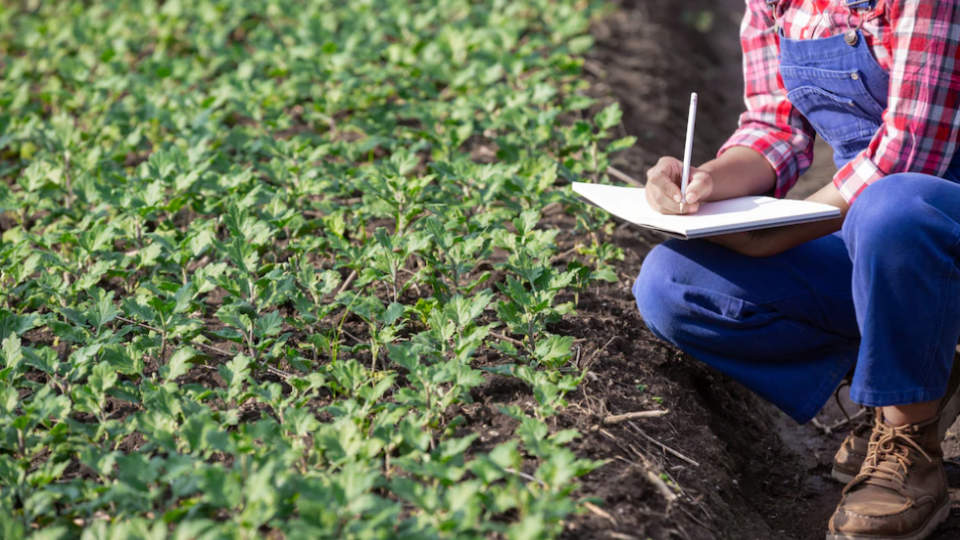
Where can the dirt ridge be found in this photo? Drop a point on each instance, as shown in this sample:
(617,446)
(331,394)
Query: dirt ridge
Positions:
(758,475)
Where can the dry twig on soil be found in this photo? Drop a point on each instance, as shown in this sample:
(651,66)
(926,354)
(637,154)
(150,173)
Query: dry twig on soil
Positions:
(841,423)
(501,337)
(348,282)
(596,378)
(661,445)
(600,512)
(561,256)
(621,418)
(620,175)
(655,479)
(648,470)
(594,69)
(525,476)
(351,336)
(821,427)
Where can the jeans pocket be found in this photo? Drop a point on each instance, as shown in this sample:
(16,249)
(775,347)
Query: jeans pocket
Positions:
(850,84)
(842,121)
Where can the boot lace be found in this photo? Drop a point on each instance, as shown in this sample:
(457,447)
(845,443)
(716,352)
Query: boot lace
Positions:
(860,422)
(888,458)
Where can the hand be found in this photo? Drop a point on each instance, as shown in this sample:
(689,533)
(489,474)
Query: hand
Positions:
(663,187)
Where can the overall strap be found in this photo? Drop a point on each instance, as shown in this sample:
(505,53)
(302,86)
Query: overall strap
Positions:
(777,8)
(865,11)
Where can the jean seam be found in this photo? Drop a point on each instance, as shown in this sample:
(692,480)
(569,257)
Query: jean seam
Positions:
(819,57)
(946,277)
(886,393)
(816,329)
(834,377)
(912,396)
(793,321)
(769,303)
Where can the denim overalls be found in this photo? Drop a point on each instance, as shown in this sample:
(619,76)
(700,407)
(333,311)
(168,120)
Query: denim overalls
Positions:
(882,295)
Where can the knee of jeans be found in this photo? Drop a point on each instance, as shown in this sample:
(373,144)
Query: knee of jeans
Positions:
(655,297)
(881,216)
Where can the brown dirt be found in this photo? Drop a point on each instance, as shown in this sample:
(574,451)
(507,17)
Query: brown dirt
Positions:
(758,475)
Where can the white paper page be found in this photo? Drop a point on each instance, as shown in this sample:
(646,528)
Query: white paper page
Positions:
(744,213)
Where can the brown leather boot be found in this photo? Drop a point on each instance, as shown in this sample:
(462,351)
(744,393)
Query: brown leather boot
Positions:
(850,456)
(901,491)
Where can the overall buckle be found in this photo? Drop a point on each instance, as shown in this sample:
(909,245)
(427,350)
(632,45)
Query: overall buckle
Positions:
(862,8)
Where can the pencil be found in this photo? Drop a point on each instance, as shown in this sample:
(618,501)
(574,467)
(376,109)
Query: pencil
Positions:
(688,150)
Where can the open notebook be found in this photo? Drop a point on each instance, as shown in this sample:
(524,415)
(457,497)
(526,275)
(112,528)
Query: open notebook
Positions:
(713,218)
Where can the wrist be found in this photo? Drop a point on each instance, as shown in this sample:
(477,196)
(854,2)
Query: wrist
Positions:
(741,171)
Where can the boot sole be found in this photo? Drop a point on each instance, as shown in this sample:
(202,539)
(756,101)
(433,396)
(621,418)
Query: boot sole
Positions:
(935,520)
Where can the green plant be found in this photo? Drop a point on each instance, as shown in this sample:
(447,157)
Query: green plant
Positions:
(253,251)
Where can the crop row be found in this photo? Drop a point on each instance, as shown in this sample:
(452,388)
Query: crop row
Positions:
(258,257)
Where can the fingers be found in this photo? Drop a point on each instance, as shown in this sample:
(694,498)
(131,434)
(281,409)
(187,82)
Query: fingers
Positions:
(699,187)
(668,189)
(663,195)
(663,191)
(663,187)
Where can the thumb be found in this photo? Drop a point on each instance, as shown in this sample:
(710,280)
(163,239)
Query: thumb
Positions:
(699,187)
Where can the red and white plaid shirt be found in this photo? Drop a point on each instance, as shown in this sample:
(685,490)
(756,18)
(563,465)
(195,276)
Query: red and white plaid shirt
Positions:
(916,41)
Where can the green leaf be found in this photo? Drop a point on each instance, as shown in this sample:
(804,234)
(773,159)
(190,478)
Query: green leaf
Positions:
(621,144)
(403,355)
(178,364)
(103,311)
(530,527)
(464,311)
(393,312)
(526,222)
(12,354)
(554,351)
(608,117)
(270,324)
(102,379)
(607,273)
(8,399)
(18,324)
(404,162)
(183,298)
(50,533)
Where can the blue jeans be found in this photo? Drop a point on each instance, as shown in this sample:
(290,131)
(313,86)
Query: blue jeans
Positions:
(882,296)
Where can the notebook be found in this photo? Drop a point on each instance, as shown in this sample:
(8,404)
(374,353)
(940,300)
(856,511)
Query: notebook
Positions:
(713,218)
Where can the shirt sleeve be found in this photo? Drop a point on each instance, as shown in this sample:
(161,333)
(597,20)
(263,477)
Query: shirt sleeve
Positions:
(770,125)
(920,126)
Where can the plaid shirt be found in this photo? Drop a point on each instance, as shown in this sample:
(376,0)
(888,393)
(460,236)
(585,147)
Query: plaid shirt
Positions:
(915,41)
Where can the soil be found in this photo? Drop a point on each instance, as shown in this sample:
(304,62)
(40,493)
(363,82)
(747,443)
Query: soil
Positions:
(742,469)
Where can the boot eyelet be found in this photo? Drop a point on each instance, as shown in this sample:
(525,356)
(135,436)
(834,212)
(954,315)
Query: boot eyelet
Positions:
(912,466)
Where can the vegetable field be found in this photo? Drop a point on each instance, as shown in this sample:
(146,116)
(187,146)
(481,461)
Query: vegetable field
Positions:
(258,257)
